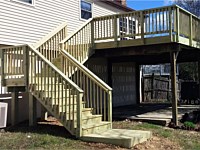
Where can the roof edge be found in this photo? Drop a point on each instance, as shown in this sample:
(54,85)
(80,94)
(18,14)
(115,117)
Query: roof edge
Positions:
(117,5)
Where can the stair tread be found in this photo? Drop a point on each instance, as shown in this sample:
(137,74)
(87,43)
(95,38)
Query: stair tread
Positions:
(88,126)
(120,137)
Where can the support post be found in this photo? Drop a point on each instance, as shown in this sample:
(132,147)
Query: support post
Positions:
(79,115)
(152,86)
(14,108)
(174,88)
(199,76)
(32,109)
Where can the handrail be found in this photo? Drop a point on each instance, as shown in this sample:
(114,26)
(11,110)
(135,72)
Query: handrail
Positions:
(95,78)
(187,11)
(50,35)
(55,69)
(76,31)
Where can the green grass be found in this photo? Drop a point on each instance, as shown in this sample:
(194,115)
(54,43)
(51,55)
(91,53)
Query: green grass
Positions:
(56,137)
(188,140)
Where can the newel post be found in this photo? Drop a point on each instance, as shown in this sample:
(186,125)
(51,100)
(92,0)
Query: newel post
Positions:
(110,106)
(26,66)
(79,115)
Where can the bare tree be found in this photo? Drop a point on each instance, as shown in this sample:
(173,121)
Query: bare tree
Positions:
(189,71)
(192,6)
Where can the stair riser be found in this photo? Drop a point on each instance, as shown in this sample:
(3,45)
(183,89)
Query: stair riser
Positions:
(89,121)
(65,101)
(97,129)
(56,94)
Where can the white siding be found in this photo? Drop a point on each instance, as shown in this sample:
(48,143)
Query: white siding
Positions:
(24,24)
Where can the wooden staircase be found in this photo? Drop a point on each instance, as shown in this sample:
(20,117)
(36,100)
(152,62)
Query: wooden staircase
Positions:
(61,102)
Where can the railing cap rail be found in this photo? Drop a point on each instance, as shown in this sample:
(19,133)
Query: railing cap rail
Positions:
(76,31)
(88,72)
(187,12)
(56,69)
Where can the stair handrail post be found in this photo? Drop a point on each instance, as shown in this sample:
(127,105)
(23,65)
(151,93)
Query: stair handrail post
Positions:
(26,66)
(79,115)
(2,68)
(110,105)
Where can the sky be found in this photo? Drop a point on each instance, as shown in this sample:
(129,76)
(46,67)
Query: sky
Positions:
(145,4)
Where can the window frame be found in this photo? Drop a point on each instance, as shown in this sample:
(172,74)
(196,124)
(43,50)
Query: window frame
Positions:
(80,9)
(24,3)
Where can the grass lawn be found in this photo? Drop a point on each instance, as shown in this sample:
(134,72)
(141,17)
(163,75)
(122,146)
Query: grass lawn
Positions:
(47,136)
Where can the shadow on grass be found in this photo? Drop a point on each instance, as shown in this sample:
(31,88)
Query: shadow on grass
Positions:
(45,128)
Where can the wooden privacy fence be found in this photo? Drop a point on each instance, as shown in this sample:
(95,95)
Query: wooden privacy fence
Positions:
(157,89)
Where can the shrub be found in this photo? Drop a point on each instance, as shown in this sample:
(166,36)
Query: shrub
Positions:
(189,125)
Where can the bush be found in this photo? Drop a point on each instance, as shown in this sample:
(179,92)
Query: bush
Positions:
(189,125)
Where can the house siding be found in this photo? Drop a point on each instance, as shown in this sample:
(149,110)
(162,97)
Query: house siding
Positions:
(24,24)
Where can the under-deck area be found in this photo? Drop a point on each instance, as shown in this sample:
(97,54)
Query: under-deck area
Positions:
(161,35)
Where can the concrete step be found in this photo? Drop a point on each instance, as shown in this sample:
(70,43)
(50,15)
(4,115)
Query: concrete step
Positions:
(121,137)
(96,127)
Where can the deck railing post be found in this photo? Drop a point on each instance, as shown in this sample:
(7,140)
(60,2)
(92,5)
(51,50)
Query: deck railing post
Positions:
(2,68)
(142,25)
(170,23)
(177,24)
(190,29)
(79,115)
(115,29)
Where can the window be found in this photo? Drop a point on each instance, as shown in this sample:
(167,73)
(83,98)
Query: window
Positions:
(126,27)
(86,10)
(31,2)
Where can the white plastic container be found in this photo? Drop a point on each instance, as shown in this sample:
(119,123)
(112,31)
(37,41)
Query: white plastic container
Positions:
(3,114)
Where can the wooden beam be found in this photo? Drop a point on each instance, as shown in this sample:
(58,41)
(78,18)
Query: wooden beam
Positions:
(199,76)
(174,88)
(14,108)
(32,109)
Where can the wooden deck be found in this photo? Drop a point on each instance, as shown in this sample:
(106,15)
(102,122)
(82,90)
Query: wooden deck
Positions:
(147,41)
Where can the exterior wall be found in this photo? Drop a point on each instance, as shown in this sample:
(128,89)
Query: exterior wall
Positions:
(123,80)
(124,84)
(99,67)
(25,24)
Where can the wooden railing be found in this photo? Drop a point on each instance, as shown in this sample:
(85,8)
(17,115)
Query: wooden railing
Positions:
(49,45)
(172,21)
(62,97)
(79,43)
(97,94)
(163,21)
(12,63)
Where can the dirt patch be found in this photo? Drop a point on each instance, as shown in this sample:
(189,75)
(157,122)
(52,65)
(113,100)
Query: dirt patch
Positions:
(158,143)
